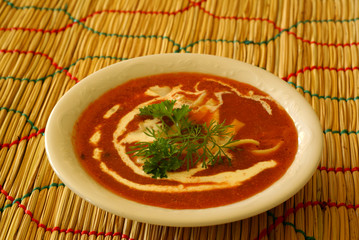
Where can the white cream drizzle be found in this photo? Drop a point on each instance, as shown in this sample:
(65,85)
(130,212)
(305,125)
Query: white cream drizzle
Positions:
(112,111)
(258,98)
(217,181)
(95,138)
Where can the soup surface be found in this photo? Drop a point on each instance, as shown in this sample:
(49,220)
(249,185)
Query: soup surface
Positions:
(108,128)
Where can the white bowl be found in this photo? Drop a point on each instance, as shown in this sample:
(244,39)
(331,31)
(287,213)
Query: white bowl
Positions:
(62,158)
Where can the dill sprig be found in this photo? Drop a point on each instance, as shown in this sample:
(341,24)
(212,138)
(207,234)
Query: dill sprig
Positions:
(178,141)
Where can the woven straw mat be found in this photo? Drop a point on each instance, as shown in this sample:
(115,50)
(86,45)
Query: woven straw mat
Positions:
(46,47)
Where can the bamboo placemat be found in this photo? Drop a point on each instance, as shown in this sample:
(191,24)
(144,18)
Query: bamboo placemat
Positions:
(46,47)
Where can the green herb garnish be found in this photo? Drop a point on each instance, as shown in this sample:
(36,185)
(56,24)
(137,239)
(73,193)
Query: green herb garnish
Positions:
(178,141)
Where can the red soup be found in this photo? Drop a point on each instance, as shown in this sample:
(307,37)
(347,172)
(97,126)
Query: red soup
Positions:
(107,129)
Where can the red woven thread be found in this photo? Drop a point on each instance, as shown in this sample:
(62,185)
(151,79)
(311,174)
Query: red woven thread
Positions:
(317,68)
(239,18)
(56,229)
(262,234)
(28,212)
(95,233)
(23,207)
(43,55)
(70,230)
(284,78)
(10,198)
(299,206)
(81,232)
(35,221)
(192,4)
(181,11)
(339,169)
(3,145)
(288,212)
(323,44)
(4,192)
(39,29)
(174,13)
(41,226)
(281,219)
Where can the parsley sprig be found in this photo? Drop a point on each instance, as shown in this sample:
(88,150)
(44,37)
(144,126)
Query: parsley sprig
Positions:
(180,142)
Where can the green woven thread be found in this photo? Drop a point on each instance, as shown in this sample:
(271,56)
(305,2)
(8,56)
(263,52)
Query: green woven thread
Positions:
(29,194)
(323,97)
(292,225)
(62,70)
(247,42)
(22,114)
(122,59)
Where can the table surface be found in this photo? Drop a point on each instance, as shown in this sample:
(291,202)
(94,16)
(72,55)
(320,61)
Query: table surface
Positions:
(46,47)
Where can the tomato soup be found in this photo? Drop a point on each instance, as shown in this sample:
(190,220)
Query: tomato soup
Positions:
(107,129)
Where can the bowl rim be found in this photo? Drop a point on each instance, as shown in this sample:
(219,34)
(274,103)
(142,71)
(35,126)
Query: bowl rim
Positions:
(70,106)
